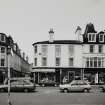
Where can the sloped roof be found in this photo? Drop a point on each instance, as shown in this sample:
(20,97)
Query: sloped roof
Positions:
(59,42)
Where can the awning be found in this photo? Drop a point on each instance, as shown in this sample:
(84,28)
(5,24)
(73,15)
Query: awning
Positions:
(43,70)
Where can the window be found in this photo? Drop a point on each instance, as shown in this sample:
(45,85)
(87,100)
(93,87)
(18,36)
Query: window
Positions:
(35,49)
(44,50)
(35,61)
(2,38)
(2,49)
(91,48)
(71,61)
(71,50)
(87,62)
(95,62)
(57,61)
(57,50)
(2,62)
(100,48)
(91,37)
(101,38)
(44,61)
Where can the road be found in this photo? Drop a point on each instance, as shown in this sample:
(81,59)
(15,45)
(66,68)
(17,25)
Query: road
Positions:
(52,96)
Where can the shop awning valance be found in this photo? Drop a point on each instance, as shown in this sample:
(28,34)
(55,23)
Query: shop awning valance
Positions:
(43,70)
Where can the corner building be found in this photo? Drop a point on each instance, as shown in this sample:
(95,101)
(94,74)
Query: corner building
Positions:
(83,58)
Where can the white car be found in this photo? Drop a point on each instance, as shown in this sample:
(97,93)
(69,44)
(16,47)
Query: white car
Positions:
(75,85)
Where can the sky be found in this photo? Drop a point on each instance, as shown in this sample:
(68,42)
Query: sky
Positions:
(28,21)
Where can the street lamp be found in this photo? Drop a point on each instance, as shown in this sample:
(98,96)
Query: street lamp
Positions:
(8,56)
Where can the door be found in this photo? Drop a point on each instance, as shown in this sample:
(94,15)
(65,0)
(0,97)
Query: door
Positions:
(71,75)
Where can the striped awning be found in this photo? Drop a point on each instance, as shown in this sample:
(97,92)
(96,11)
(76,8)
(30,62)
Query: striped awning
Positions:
(43,70)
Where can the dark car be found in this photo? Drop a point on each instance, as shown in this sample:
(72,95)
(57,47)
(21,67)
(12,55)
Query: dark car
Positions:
(47,83)
(102,87)
(18,85)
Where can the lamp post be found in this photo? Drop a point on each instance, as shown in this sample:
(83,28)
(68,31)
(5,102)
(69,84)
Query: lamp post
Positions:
(8,65)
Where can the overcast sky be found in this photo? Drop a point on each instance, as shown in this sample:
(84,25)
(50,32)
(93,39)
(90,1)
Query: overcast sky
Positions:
(29,21)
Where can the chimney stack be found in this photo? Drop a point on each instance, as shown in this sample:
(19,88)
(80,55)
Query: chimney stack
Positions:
(78,33)
(51,35)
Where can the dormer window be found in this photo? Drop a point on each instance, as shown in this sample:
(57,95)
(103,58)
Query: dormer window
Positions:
(101,38)
(2,38)
(91,37)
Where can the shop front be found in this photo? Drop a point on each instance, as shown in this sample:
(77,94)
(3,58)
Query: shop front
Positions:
(95,75)
(69,74)
(44,76)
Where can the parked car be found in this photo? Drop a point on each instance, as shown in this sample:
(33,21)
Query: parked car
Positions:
(75,85)
(102,87)
(47,83)
(18,85)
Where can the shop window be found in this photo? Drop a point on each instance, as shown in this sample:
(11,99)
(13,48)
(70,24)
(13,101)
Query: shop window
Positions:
(91,37)
(100,48)
(58,50)
(101,38)
(92,48)
(2,49)
(71,61)
(44,61)
(2,62)
(57,61)
(35,61)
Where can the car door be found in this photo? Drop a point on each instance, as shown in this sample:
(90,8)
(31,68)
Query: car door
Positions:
(74,87)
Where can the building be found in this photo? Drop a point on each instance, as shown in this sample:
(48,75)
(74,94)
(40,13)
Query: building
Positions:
(19,65)
(83,58)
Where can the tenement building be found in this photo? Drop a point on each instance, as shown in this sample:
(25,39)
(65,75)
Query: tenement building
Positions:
(19,65)
(60,60)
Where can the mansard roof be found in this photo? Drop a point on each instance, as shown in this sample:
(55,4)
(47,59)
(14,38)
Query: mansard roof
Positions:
(90,29)
(59,42)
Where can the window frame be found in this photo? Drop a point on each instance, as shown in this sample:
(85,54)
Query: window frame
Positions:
(91,39)
(57,63)
(102,37)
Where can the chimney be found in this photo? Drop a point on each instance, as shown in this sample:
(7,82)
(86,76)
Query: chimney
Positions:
(78,33)
(51,35)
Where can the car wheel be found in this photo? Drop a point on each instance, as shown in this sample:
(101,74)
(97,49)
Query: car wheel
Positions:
(86,90)
(26,90)
(65,90)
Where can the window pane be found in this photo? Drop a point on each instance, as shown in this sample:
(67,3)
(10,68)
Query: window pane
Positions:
(71,50)
(70,61)
(2,37)
(57,61)
(57,50)
(35,61)
(91,48)
(44,50)
(2,49)
(2,62)
(95,61)
(101,37)
(35,49)
(44,61)
(100,48)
